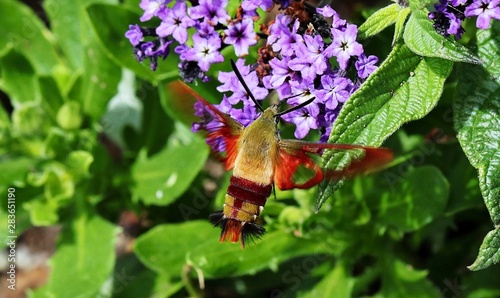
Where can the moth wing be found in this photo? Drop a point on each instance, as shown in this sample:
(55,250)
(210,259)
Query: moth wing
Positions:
(224,129)
(298,167)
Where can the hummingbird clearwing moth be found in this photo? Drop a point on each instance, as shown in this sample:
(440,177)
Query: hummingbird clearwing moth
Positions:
(261,159)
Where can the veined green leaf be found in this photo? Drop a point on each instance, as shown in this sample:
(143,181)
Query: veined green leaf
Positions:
(382,19)
(477,121)
(423,40)
(404,88)
(489,252)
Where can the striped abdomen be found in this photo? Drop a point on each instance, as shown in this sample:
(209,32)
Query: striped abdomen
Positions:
(245,200)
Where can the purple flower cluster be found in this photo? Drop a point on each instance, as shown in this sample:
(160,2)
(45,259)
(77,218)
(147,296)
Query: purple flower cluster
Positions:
(305,53)
(207,17)
(305,63)
(449,15)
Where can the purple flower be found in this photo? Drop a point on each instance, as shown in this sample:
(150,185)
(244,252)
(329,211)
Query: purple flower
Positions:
(205,28)
(280,24)
(229,80)
(304,119)
(160,48)
(310,60)
(485,10)
(280,72)
(448,17)
(152,8)
(241,36)
(284,38)
(213,11)
(134,34)
(302,91)
(175,22)
(232,84)
(365,65)
(246,115)
(344,45)
(205,51)
(264,4)
(329,12)
(334,91)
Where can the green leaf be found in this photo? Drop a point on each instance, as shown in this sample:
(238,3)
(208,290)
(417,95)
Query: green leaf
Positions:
(99,81)
(68,116)
(489,252)
(56,143)
(196,243)
(83,261)
(30,119)
(110,22)
(22,30)
(42,212)
(423,40)
(337,283)
(52,98)
(477,118)
(400,25)
(78,163)
(477,122)
(401,280)
(18,78)
(382,19)
(69,24)
(416,201)
(404,88)
(162,178)
(59,185)
(14,170)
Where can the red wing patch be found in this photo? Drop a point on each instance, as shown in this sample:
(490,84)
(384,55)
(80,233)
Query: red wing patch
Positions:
(296,167)
(223,134)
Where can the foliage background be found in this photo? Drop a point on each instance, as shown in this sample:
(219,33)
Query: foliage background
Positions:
(95,142)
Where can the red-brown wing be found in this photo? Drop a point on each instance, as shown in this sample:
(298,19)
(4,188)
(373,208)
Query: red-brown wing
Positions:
(226,129)
(297,169)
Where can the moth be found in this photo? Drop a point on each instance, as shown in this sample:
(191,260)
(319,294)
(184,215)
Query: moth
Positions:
(261,160)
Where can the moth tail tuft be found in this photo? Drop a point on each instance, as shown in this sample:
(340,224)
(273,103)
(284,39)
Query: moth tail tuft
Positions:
(251,232)
(233,230)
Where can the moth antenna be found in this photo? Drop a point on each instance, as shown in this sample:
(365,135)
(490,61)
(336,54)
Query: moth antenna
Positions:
(240,78)
(274,191)
(305,103)
(285,100)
